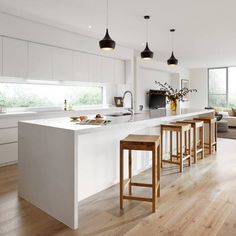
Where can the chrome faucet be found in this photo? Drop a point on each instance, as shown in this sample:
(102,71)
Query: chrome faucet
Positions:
(131,109)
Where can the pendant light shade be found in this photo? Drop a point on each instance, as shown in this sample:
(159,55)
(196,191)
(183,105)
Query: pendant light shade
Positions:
(172,61)
(147,54)
(107,44)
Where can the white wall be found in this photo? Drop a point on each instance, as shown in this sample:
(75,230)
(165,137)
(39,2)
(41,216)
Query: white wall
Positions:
(199,82)
(147,72)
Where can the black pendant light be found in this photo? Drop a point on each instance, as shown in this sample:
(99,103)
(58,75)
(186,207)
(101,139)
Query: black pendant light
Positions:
(172,61)
(147,54)
(107,44)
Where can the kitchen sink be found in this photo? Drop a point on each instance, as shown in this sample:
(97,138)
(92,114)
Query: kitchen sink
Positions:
(123,114)
(120,114)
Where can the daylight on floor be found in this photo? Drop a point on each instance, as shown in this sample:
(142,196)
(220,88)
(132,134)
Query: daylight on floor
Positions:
(117,118)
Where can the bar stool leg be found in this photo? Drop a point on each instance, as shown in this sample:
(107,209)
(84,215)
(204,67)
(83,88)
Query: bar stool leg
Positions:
(177,143)
(171,149)
(181,151)
(159,170)
(121,177)
(210,139)
(216,136)
(185,142)
(130,172)
(189,147)
(201,136)
(161,147)
(154,151)
(195,145)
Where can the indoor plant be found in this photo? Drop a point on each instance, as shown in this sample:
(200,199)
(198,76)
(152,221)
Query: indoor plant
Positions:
(174,95)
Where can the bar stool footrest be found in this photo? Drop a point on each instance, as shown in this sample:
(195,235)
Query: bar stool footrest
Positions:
(141,184)
(144,199)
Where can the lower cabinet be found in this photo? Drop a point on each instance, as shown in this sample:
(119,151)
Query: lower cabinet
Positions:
(8,153)
(8,145)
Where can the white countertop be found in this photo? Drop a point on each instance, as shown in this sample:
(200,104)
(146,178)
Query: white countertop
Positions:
(147,118)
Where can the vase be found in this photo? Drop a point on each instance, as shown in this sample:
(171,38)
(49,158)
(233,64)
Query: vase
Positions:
(173,104)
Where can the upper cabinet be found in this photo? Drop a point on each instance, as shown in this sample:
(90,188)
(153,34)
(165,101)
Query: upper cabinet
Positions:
(95,71)
(0,56)
(108,69)
(81,66)
(119,71)
(62,64)
(15,58)
(19,58)
(40,62)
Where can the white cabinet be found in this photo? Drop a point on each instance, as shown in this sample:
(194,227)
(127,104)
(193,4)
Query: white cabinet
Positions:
(62,64)
(15,57)
(81,66)
(40,62)
(8,153)
(119,71)
(8,135)
(108,68)
(0,56)
(94,68)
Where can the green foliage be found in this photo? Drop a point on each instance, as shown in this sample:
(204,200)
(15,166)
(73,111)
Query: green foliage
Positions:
(20,95)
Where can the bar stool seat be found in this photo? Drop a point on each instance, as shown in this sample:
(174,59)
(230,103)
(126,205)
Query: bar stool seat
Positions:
(196,125)
(212,135)
(179,129)
(141,143)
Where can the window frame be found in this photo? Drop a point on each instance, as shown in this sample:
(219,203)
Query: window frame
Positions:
(59,83)
(227,84)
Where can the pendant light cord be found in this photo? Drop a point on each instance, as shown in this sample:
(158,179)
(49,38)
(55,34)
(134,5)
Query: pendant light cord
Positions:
(146,30)
(107,16)
(171,39)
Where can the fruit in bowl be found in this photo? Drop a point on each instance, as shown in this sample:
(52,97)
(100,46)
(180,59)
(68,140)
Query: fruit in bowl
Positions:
(82,118)
(98,116)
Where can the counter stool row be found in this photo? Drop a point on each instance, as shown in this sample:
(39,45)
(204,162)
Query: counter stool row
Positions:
(180,134)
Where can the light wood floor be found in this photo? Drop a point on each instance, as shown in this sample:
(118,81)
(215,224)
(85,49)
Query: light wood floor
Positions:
(201,201)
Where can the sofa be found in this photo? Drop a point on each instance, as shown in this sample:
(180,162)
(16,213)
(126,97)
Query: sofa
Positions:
(228,116)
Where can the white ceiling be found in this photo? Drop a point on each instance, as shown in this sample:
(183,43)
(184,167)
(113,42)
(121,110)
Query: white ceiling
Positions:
(205,29)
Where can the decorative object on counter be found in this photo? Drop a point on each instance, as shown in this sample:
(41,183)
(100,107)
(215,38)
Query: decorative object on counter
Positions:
(172,61)
(147,54)
(118,101)
(75,118)
(107,44)
(65,105)
(174,95)
(140,107)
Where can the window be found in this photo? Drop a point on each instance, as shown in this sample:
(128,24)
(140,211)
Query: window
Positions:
(222,87)
(232,87)
(217,79)
(36,95)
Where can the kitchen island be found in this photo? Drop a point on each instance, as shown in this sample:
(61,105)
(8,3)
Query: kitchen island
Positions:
(62,162)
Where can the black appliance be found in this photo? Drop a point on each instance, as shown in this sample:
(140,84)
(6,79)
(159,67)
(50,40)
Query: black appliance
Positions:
(157,99)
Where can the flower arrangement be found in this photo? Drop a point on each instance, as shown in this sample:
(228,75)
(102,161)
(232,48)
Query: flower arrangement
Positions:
(174,95)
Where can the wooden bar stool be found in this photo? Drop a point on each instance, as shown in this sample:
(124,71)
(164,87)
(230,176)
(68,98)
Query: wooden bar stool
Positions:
(212,134)
(198,145)
(142,143)
(179,129)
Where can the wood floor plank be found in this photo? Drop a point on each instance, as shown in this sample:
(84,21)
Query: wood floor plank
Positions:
(200,201)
